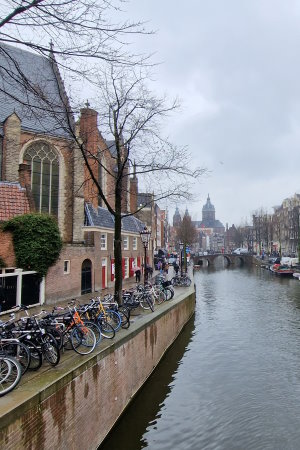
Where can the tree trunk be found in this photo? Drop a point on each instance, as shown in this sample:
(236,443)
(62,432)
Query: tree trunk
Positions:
(118,245)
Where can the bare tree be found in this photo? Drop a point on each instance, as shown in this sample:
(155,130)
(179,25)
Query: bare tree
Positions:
(132,116)
(187,234)
(83,35)
(75,34)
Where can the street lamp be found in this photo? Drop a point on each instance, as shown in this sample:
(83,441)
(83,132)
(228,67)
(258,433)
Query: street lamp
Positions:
(181,245)
(145,237)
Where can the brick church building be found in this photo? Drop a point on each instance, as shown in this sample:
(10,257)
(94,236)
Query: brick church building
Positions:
(42,170)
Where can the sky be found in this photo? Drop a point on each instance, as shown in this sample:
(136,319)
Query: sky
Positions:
(235,66)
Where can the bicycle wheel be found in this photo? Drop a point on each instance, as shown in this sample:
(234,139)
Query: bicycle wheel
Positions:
(57,334)
(168,294)
(174,281)
(107,331)
(125,310)
(83,339)
(146,302)
(10,374)
(160,297)
(187,281)
(50,349)
(113,318)
(36,359)
(19,351)
(125,322)
(96,329)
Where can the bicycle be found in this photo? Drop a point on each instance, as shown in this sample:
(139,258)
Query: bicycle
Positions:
(10,374)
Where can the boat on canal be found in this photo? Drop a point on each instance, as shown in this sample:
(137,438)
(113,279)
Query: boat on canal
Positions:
(282,270)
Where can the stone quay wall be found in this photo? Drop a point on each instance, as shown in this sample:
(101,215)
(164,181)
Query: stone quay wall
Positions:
(76,404)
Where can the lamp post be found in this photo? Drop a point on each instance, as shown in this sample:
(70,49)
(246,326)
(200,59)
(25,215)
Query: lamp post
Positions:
(145,237)
(181,245)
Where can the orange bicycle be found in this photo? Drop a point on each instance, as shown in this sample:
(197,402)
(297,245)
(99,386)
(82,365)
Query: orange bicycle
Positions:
(76,333)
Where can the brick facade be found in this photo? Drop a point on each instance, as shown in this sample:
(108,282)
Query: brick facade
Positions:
(75,189)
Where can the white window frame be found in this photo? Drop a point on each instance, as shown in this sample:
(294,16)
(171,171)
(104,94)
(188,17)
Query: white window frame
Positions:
(103,241)
(68,269)
(134,243)
(126,267)
(125,243)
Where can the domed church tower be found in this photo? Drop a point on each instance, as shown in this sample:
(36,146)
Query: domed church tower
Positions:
(208,211)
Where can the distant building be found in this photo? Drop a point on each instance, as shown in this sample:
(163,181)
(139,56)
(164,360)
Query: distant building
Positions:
(176,218)
(211,231)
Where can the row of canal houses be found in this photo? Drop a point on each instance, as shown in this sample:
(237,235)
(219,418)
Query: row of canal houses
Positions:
(42,170)
(276,233)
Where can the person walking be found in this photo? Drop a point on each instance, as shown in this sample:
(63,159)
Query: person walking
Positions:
(138,276)
(159,265)
(176,268)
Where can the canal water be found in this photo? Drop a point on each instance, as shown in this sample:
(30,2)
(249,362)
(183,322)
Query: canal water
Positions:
(232,378)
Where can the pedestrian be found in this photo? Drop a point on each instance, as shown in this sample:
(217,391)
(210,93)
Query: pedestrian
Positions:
(159,265)
(138,276)
(176,268)
(166,268)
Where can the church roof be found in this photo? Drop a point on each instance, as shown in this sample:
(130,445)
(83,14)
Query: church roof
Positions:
(208,223)
(38,104)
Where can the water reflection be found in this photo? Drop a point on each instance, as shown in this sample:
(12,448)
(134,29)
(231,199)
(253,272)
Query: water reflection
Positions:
(130,433)
(232,379)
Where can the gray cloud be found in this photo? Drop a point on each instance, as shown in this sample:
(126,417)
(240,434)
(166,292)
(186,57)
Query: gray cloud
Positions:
(235,66)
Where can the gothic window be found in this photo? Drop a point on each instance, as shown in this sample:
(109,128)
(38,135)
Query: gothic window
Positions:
(44,164)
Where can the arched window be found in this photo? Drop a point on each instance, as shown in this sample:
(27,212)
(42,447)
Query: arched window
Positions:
(44,164)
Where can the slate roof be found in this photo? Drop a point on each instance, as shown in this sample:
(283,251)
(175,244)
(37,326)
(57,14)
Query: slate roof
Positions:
(102,218)
(144,199)
(13,200)
(46,114)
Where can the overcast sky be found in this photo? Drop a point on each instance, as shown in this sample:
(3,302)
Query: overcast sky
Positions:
(235,66)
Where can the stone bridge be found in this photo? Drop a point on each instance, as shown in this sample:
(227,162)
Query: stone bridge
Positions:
(229,258)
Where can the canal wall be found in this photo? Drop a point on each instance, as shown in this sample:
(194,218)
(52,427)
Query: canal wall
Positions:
(77,403)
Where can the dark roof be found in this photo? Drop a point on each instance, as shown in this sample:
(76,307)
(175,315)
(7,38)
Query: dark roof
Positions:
(208,223)
(38,104)
(13,200)
(144,199)
(102,218)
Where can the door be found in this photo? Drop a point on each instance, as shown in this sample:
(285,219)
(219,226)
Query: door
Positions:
(30,289)
(86,276)
(104,271)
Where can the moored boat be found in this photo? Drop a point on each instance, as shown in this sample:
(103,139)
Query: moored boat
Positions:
(282,270)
